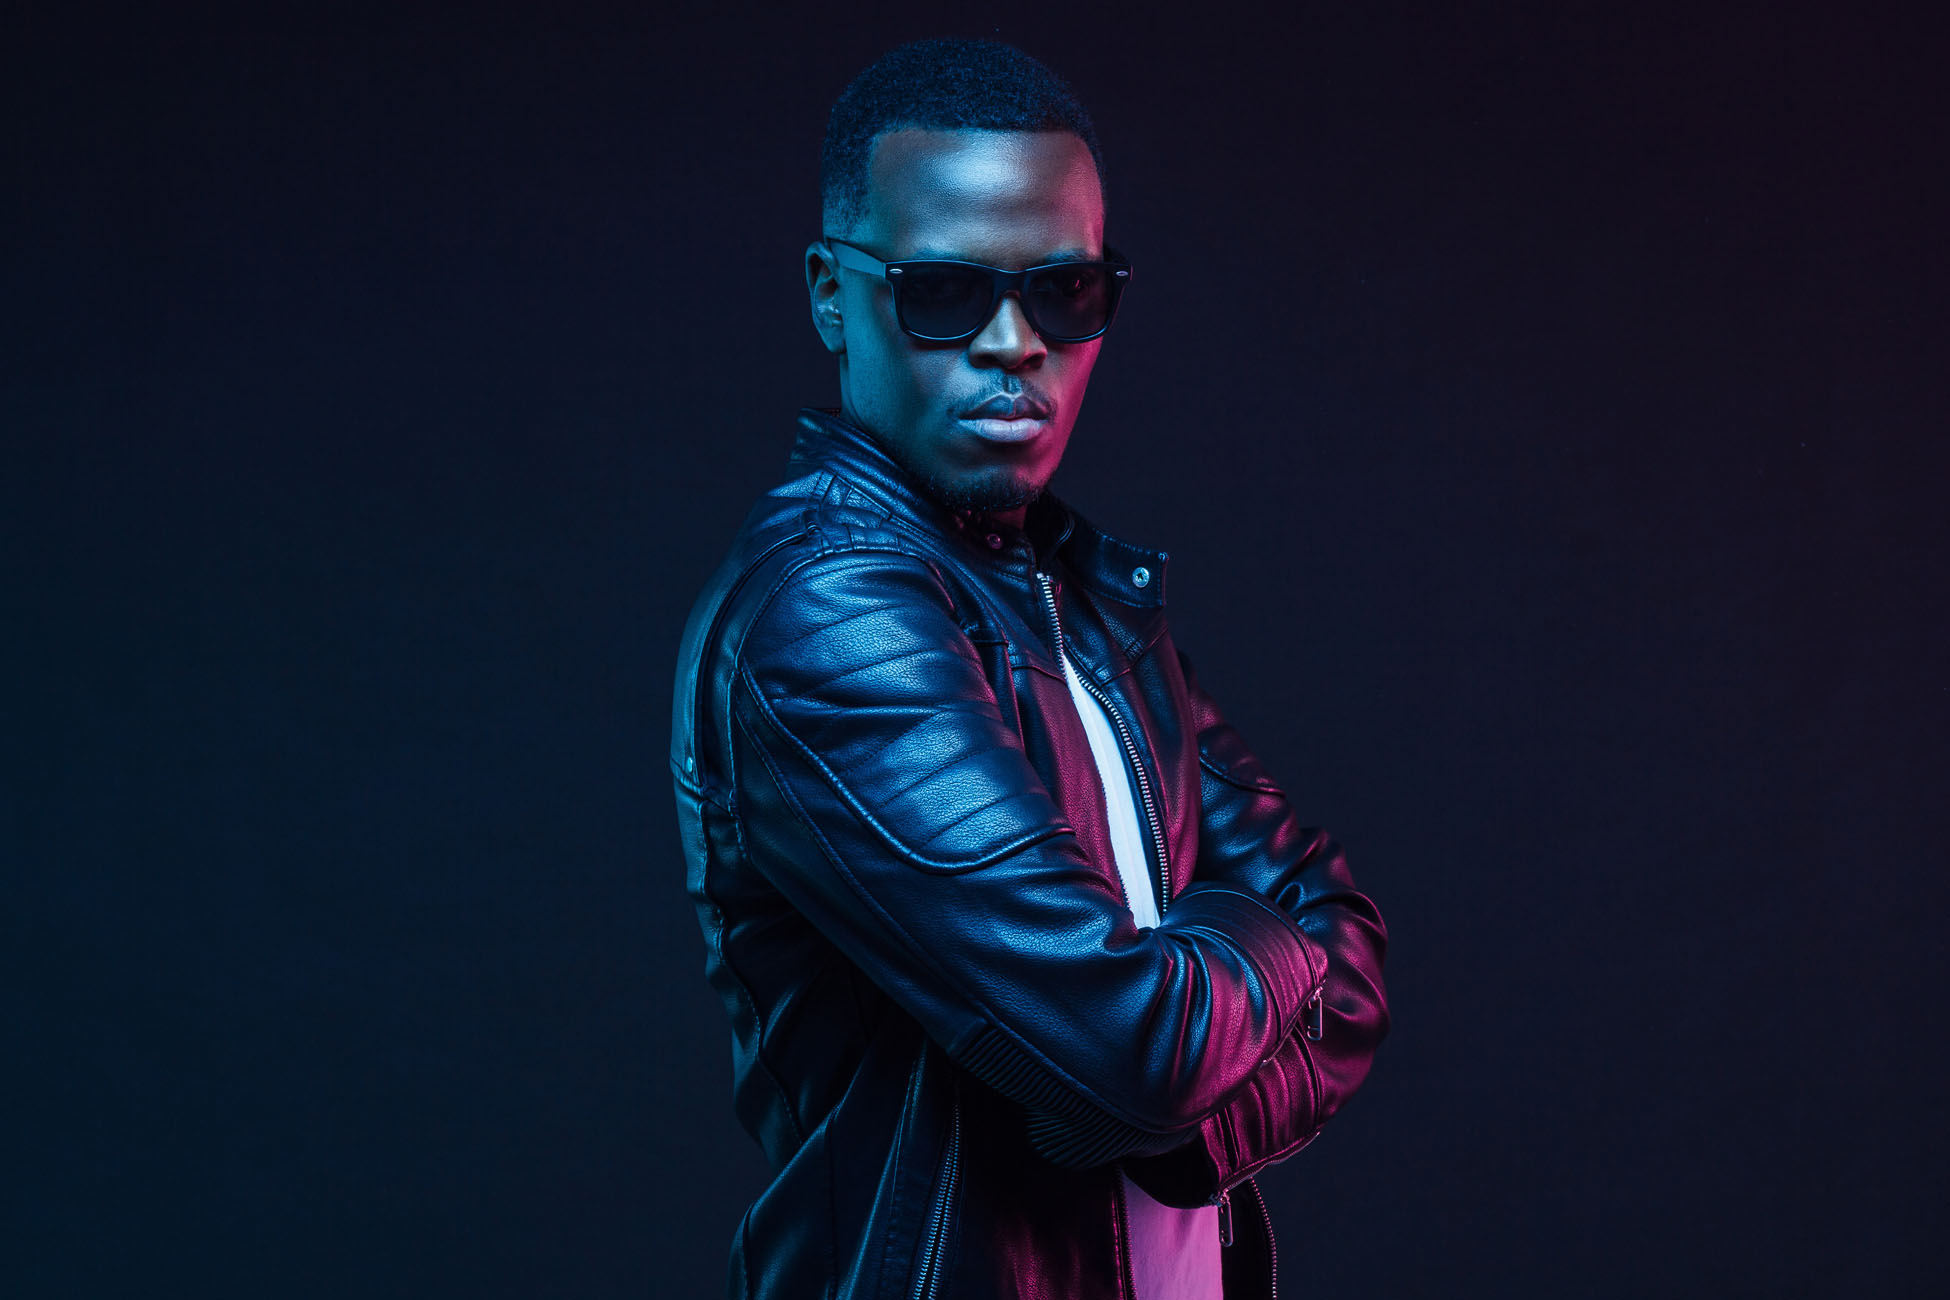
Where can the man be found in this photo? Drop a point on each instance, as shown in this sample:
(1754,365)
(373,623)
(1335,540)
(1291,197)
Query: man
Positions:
(1029,964)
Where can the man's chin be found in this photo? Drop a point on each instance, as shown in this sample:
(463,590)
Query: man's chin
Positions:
(983,489)
(985,494)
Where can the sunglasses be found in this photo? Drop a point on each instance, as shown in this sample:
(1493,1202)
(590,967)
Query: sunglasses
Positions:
(946,302)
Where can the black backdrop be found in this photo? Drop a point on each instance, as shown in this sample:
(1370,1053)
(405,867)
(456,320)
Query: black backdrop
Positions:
(1544,408)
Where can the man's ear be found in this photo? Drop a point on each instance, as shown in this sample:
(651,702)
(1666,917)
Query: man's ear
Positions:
(823,287)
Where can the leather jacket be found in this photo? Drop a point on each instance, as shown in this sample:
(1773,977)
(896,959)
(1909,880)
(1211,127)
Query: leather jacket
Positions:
(949,1034)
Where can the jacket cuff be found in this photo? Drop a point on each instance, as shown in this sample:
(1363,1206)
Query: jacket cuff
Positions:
(1290,964)
(1272,1118)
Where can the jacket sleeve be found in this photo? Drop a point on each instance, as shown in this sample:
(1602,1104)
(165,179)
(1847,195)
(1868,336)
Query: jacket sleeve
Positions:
(1250,839)
(883,791)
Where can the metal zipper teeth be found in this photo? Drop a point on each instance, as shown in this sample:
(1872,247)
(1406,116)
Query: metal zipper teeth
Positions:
(1272,1247)
(929,1282)
(1124,736)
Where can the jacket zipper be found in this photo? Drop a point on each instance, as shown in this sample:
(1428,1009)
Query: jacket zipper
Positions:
(929,1282)
(1224,1199)
(1272,1250)
(1226,1237)
(1121,1211)
(1124,737)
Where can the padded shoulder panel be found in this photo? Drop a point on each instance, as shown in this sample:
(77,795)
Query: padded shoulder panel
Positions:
(860,658)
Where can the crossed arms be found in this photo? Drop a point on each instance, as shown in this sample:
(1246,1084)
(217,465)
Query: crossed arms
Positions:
(884,792)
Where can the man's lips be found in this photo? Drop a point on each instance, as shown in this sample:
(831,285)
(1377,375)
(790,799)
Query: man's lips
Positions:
(1009,406)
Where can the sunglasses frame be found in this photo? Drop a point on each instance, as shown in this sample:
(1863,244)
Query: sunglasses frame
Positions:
(1001,283)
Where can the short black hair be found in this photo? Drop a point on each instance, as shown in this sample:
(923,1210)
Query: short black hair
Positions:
(939,85)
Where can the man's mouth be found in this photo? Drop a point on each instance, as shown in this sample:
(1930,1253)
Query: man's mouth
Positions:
(1009,406)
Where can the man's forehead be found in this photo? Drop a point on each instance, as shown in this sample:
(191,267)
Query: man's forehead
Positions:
(980,154)
(949,187)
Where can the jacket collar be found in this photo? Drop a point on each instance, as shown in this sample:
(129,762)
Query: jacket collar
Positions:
(1109,566)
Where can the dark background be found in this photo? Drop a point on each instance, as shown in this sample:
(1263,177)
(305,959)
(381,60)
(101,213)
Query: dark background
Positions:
(1544,407)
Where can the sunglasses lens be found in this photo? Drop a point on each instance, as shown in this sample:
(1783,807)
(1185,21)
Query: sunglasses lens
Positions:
(1070,302)
(944,302)
(949,301)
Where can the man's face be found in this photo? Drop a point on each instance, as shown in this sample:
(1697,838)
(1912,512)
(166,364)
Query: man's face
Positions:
(1009,199)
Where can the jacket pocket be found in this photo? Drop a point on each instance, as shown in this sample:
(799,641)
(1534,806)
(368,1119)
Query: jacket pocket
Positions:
(1222,752)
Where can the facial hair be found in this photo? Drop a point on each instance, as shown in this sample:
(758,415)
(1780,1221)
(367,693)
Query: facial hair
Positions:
(982,497)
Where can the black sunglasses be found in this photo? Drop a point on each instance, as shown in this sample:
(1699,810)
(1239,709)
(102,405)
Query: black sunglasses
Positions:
(946,302)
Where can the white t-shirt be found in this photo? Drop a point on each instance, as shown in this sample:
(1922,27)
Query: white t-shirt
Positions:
(1174,1252)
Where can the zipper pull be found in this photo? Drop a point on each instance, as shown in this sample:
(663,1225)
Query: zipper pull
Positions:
(1312,1021)
(1225,1218)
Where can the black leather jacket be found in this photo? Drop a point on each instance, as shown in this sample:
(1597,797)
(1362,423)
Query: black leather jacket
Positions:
(949,1033)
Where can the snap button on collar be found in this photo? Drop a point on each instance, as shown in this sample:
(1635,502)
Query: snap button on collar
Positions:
(994,540)
(1141,576)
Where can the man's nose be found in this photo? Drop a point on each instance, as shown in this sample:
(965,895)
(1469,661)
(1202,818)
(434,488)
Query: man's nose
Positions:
(1007,341)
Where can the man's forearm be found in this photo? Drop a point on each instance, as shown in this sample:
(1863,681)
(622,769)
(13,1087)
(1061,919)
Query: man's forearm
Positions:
(1281,1108)
(1250,838)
